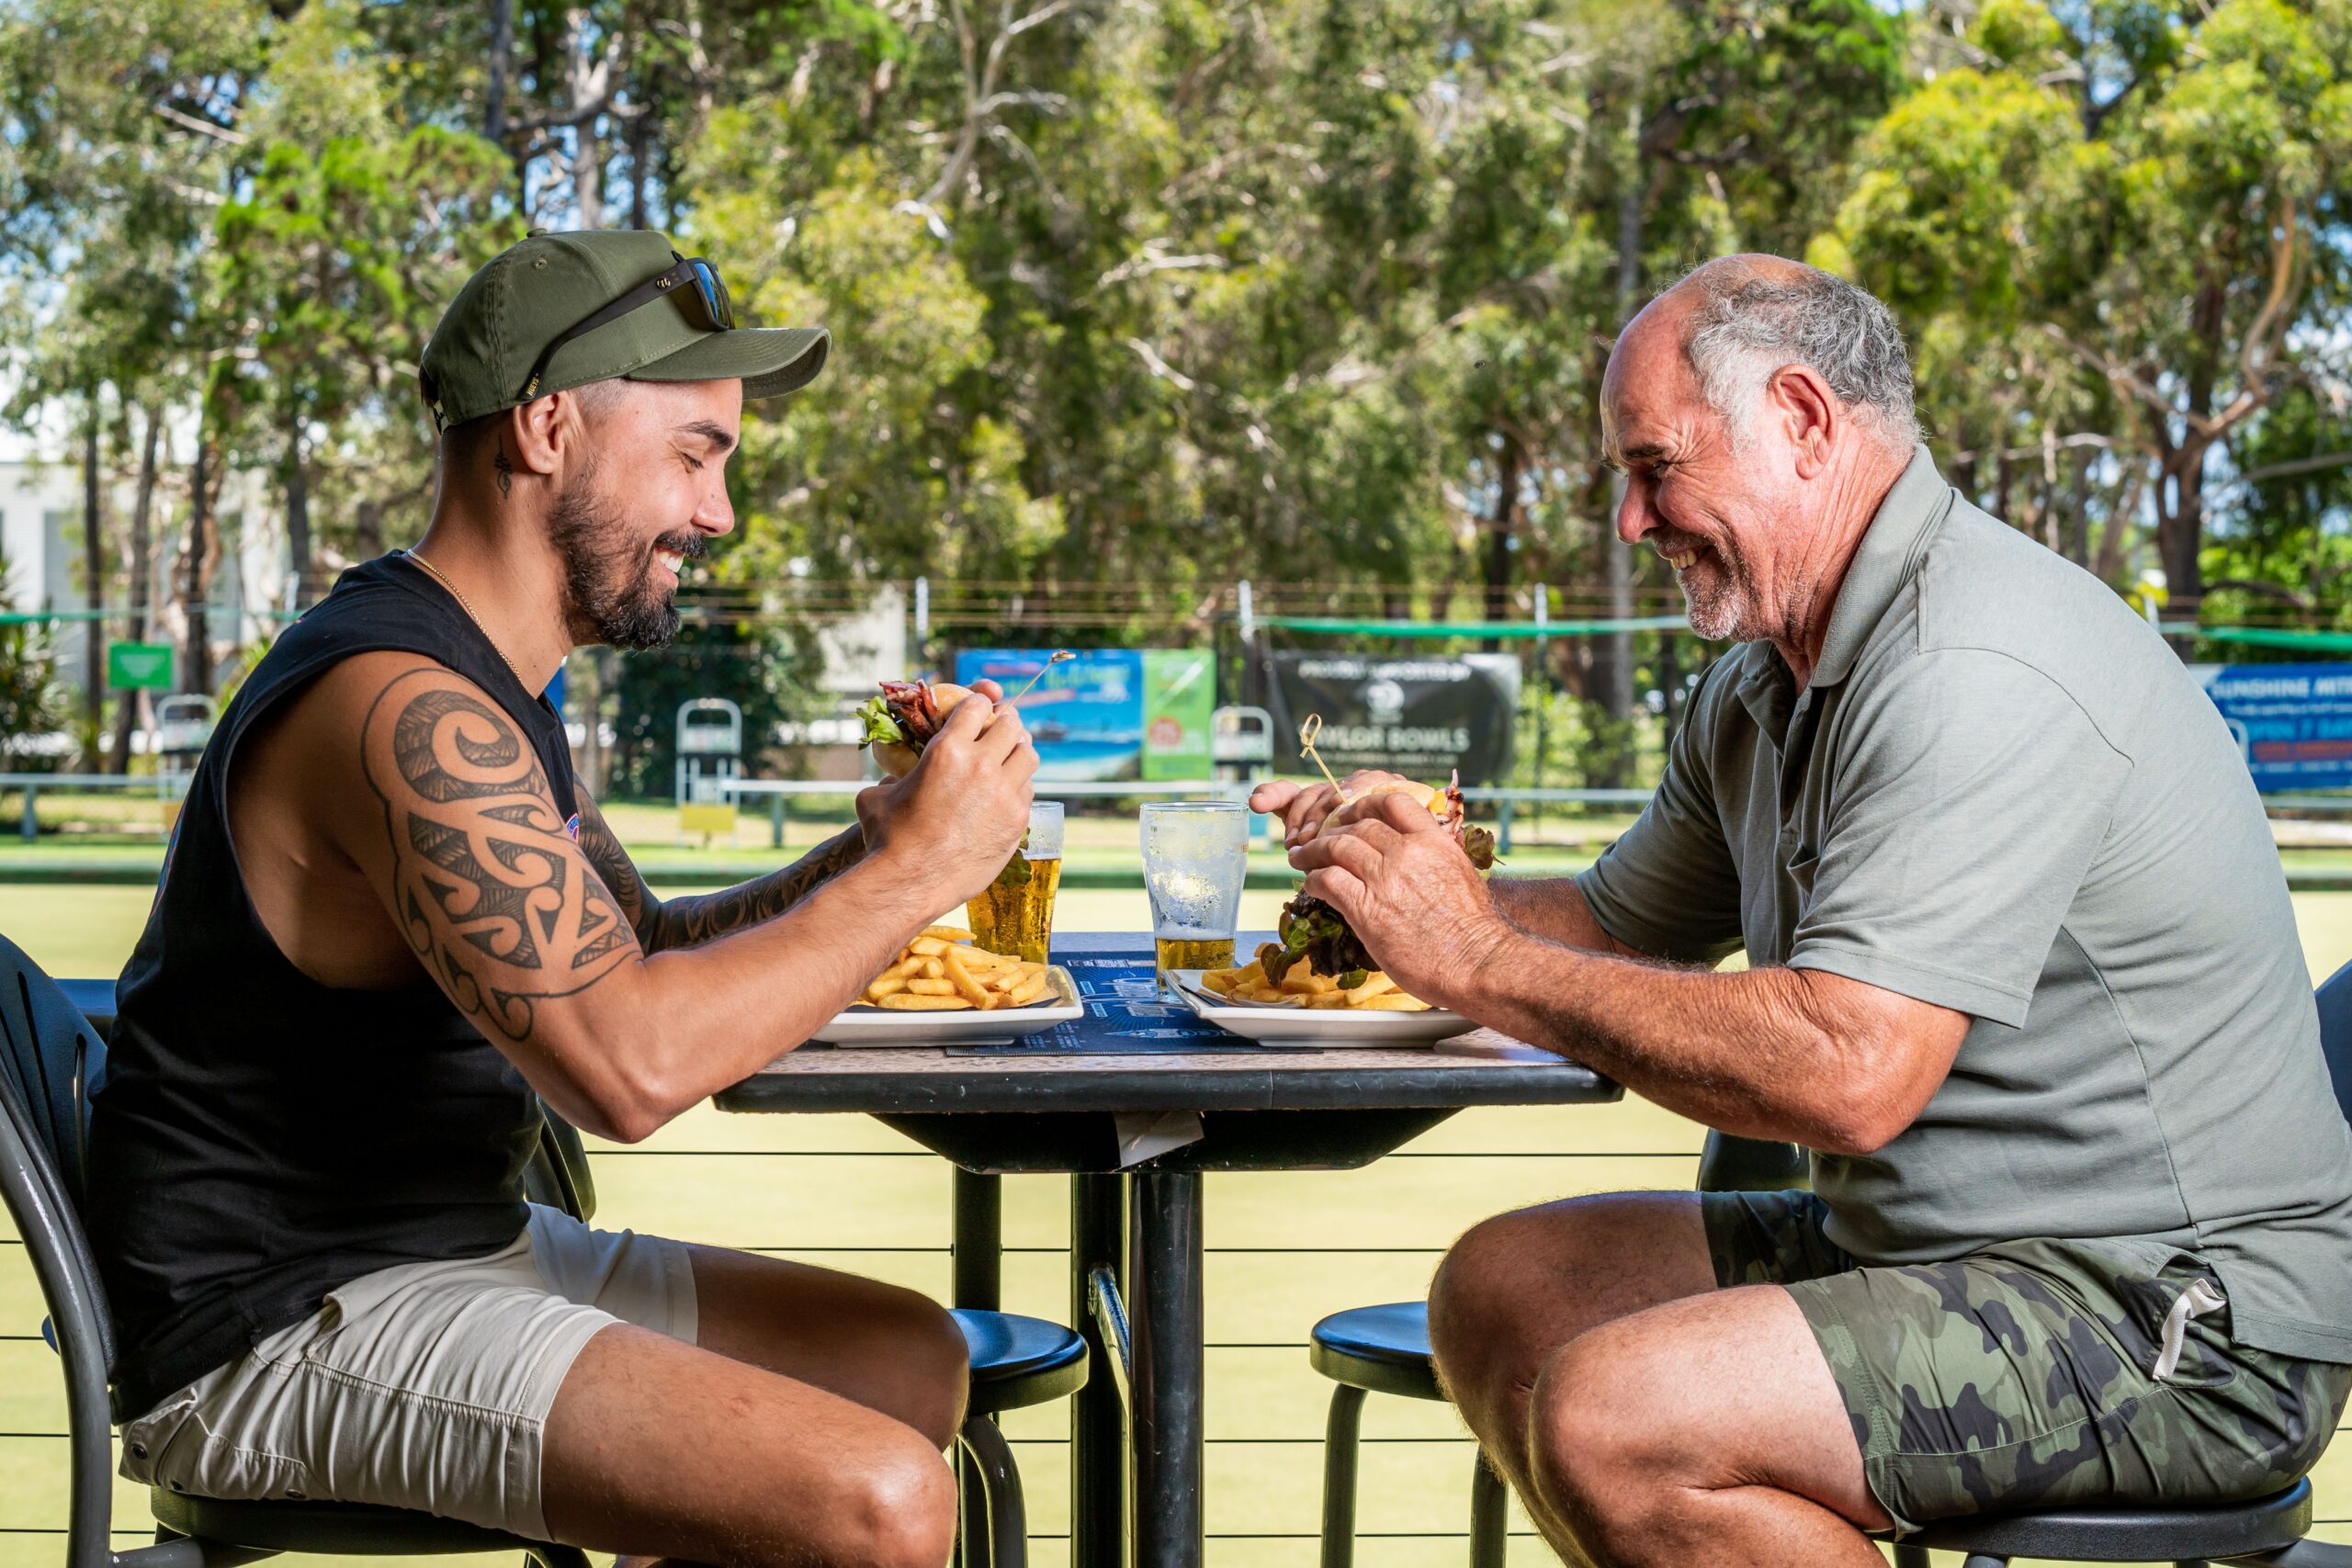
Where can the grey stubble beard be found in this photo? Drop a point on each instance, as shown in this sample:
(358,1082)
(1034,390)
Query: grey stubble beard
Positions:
(1723,613)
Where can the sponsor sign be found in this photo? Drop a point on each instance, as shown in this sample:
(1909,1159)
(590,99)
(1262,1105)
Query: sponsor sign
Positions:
(1086,716)
(1421,717)
(2292,722)
(138,666)
(1178,710)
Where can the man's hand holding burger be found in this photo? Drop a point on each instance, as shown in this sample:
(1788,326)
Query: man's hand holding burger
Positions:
(959,814)
(1401,881)
(1302,808)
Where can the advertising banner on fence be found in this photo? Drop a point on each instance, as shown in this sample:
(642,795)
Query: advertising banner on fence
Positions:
(138,666)
(1178,708)
(1421,717)
(2293,722)
(1086,716)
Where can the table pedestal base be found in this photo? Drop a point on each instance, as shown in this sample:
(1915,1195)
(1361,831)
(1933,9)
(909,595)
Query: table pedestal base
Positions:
(1168,1336)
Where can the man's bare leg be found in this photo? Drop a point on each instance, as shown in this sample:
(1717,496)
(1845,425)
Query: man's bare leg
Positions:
(1706,1429)
(1519,1288)
(1546,1323)
(889,1350)
(805,1428)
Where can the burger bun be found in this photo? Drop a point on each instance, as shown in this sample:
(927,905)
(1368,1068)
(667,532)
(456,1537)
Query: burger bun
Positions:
(897,759)
(1431,799)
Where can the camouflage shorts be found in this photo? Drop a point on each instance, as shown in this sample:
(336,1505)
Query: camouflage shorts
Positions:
(2025,1375)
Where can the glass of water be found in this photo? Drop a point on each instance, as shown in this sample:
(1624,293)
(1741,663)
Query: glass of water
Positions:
(1196,853)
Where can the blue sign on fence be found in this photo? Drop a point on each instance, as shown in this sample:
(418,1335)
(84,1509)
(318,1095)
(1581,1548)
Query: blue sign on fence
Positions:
(2293,722)
(1086,714)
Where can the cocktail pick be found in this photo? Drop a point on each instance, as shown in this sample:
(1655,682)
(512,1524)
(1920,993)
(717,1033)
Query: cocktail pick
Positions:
(1061,656)
(1307,734)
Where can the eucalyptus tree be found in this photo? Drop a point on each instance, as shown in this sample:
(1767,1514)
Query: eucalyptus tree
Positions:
(2134,217)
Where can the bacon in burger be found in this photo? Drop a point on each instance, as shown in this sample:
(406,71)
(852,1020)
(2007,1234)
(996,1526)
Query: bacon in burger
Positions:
(901,721)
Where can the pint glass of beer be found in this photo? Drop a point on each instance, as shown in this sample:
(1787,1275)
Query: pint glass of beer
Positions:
(1196,853)
(1015,915)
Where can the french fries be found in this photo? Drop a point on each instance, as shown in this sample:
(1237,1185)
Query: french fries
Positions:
(940,971)
(1300,988)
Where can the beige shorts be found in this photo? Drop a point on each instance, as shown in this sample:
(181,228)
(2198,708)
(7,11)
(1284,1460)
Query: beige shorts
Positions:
(425,1386)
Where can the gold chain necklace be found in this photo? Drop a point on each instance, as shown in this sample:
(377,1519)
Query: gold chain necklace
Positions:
(463,603)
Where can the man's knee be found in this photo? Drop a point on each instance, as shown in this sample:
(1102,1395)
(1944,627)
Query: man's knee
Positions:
(1517,1287)
(1596,1456)
(1475,1296)
(894,1509)
(938,1364)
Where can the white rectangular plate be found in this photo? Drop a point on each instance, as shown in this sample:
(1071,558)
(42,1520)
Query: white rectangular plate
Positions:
(1303,1025)
(868,1025)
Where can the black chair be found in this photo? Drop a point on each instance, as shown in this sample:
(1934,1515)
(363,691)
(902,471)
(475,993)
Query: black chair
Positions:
(51,1056)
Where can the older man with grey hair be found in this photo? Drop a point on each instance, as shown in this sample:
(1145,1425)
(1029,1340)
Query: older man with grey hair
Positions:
(2022,976)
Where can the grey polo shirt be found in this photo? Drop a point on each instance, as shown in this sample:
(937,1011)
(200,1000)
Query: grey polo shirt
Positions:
(2003,795)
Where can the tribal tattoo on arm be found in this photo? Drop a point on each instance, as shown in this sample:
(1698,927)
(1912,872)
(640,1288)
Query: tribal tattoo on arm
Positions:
(663,924)
(488,888)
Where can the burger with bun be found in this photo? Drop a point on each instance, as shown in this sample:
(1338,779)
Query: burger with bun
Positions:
(901,721)
(1312,930)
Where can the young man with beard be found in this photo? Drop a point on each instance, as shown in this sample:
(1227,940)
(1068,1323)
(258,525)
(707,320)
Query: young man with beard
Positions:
(389,926)
(2023,975)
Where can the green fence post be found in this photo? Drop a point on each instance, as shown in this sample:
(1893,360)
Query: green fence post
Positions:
(1502,826)
(776,821)
(31,825)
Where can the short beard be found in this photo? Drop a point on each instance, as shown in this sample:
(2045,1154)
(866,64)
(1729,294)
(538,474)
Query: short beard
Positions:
(609,593)
(1726,612)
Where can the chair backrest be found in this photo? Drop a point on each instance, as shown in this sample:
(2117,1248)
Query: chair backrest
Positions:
(2335,1033)
(1751,1165)
(49,1059)
(558,1175)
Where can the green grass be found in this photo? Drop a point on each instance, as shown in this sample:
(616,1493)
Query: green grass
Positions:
(1285,1249)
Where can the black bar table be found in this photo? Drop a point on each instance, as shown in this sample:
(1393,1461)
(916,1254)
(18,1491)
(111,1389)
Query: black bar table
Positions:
(1057,1103)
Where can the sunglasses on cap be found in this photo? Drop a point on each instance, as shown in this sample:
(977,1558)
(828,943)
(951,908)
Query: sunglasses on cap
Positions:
(703,295)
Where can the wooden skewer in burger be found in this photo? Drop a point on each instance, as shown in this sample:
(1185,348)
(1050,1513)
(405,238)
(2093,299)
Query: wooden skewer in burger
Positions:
(1312,930)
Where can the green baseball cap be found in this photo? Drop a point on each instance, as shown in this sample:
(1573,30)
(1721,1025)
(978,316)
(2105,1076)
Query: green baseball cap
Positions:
(485,355)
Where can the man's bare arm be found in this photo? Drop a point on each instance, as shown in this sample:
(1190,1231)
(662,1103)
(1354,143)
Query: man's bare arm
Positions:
(1554,908)
(1798,1054)
(663,924)
(1795,1054)
(448,815)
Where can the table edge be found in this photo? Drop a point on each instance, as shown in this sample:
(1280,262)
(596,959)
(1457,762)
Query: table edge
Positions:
(1268,1089)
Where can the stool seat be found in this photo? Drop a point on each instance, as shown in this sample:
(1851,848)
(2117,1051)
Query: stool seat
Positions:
(2130,1535)
(1019,1361)
(340,1529)
(1381,1349)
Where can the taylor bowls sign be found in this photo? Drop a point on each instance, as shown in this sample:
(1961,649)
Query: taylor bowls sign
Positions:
(1421,717)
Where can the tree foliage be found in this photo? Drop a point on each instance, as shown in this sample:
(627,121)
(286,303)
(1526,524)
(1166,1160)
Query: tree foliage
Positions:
(1133,301)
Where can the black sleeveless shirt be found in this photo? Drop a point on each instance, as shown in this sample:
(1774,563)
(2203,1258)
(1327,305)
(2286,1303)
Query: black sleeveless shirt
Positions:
(261,1139)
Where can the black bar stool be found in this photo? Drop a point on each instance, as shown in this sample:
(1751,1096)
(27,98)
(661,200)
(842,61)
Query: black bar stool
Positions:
(2269,1529)
(1016,1362)
(1385,1349)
